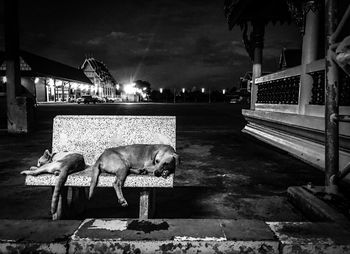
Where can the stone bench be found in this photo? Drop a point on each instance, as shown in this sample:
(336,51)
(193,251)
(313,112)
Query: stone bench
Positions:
(90,136)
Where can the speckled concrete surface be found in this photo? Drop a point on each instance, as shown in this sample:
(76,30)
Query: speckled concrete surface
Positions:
(91,135)
(83,179)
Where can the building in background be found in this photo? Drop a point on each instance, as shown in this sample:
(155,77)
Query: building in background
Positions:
(99,75)
(47,80)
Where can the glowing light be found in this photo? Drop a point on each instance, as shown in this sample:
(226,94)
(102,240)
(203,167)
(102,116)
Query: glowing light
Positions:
(183,90)
(161,90)
(118,87)
(51,82)
(4,79)
(144,89)
(203,90)
(36,80)
(223,91)
(130,88)
(74,86)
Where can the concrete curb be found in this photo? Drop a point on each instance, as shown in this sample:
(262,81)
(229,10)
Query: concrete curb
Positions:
(309,204)
(171,236)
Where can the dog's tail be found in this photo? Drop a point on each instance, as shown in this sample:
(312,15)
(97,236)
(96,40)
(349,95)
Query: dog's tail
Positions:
(62,177)
(94,177)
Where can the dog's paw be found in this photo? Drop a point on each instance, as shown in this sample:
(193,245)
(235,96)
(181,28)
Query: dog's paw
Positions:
(55,216)
(143,171)
(33,168)
(123,203)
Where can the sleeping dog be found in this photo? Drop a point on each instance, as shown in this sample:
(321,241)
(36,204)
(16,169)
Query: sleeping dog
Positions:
(159,160)
(61,164)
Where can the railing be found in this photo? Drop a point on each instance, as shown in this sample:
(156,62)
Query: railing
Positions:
(280,87)
(317,72)
(283,87)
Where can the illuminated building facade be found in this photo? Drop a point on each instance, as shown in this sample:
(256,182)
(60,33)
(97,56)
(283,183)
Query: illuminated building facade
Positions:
(47,80)
(99,75)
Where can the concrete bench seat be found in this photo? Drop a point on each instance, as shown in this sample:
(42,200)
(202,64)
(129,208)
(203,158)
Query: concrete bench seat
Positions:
(83,178)
(90,136)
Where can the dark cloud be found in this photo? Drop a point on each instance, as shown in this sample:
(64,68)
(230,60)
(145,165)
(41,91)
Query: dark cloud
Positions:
(168,43)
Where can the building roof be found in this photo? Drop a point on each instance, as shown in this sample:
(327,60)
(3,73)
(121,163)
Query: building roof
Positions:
(238,12)
(38,66)
(100,69)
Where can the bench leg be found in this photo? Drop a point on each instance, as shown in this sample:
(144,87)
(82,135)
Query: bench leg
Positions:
(76,201)
(147,203)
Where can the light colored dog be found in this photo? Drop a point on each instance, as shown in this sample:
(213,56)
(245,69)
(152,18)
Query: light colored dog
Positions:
(160,160)
(61,164)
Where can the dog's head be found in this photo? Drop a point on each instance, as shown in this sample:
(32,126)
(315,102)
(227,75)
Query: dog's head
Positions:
(166,162)
(45,158)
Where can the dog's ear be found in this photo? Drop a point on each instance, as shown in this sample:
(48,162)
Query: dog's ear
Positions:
(47,154)
(154,155)
(177,159)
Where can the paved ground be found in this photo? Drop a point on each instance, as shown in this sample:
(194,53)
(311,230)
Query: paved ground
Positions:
(224,173)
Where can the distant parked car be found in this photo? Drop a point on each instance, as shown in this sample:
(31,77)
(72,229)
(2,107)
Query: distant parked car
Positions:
(98,99)
(87,99)
(236,100)
(72,100)
(109,99)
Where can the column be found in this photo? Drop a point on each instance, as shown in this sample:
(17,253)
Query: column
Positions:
(258,45)
(309,52)
(62,96)
(17,106)
(54,90)
(331,100)
(69,91)
(45,88)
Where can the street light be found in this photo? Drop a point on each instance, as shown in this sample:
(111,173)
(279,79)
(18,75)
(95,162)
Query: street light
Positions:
(203,90)
(161,90)
(183,90)
(223,91)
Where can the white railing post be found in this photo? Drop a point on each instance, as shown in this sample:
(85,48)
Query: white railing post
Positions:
(309,52)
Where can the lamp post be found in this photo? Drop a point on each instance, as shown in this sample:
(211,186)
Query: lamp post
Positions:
(209,97)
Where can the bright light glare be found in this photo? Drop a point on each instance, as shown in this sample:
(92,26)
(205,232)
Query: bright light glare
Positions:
(203,90)
(118,87)
(161,90)
(130,88)
(36,80)
(4,79)
(183,90)
(223,91)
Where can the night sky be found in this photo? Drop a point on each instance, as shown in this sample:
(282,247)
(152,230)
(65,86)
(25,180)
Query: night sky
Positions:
(183,43)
